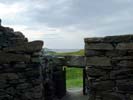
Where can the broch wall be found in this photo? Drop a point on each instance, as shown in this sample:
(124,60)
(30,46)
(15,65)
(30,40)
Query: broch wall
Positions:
(20,77)
(109,67)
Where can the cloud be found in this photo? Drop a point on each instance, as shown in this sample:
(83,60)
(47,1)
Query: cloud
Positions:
(65,23)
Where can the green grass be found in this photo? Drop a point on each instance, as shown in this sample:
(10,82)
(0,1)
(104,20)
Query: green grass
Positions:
(74,78)
(80,52)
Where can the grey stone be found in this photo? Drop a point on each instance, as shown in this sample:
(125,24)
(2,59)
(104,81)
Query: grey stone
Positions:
(121,74)
(98,61)
(125,46)
(93,40)
(98,46)
(9,57)
(27,47)
(23,86)
(116,53)
(125,63)
(89,53)
(95,72)
(78,61)
(103,85)
(113,96)
(9,76)
(35,60)
(119,38)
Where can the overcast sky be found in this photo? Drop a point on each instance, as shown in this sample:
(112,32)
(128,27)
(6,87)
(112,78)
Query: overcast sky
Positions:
(65,23)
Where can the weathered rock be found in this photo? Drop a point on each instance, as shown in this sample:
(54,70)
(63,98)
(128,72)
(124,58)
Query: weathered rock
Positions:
(18,74)
(95,72)
(99,46)
(116,53)
(90,53)
(125,85)
(27,47)
(77,61)
(103,85)
(125,63)
(98,61)
(93,40)
(110,73)
(125,46)
(121,74)
(117,39)
(9,57)
(113,96)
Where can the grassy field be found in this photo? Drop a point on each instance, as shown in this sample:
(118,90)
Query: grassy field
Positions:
(74,78)
(80,52)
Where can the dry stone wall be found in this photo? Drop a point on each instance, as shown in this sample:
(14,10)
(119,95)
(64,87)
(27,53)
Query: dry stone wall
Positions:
(109,67)
(20,75)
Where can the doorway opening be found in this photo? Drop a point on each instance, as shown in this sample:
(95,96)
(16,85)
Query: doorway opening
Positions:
(74,79)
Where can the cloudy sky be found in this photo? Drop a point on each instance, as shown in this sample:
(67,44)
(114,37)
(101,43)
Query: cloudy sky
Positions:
(65,23)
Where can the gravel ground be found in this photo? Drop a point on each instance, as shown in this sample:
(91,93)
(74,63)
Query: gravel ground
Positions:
(75,94)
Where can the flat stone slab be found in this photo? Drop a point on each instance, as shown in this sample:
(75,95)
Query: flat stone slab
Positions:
(27,47)
(8,58)
(75,61)
(98,46)
(125,46)
(98,61)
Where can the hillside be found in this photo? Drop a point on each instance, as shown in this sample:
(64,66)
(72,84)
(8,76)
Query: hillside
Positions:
(80,52)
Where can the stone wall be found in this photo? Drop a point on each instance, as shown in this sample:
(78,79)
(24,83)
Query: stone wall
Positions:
(109,66)
(20,75)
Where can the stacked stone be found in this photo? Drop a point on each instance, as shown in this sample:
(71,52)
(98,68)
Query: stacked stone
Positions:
(20,75)
(109,67)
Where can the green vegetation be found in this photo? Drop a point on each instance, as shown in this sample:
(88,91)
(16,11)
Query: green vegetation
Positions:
(74,78)
(80,52)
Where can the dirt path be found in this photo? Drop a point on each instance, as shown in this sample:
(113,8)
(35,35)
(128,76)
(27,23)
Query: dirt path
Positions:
(75,94)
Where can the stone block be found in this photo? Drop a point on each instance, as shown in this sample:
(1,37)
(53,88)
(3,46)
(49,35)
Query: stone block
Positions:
(99,46)
(90,53)
(113,96)
(124,46)
(27,47)
(98,61)
(116,53)
(125,63)
(121,74)
(93,72)
(103,85)
(9,57)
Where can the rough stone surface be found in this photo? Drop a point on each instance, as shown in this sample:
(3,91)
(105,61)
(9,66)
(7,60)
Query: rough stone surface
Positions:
(99,46)
(19,76)
(98,61)
(114,82)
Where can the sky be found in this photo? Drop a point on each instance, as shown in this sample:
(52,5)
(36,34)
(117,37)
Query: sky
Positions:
(63,24)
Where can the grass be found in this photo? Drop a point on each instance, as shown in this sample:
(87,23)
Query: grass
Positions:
(74,78)
(80,52)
